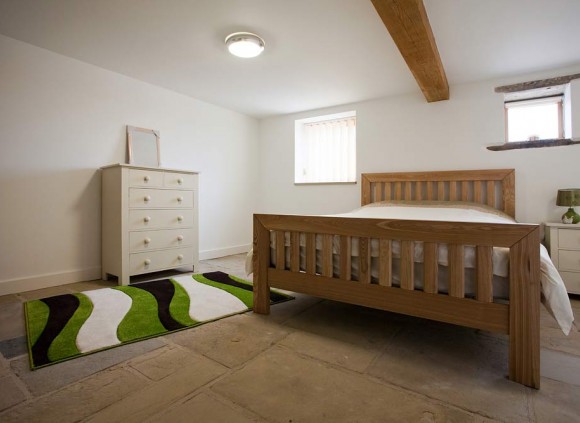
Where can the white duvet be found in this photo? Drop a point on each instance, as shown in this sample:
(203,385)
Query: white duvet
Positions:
(555,296)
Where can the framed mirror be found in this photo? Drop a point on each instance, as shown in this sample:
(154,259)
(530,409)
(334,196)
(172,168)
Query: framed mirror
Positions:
(143,146)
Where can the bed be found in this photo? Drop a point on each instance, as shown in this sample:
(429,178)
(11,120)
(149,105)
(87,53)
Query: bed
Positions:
(314,255)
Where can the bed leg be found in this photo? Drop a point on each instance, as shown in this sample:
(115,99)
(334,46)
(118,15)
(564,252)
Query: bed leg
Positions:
(524,350)
(261,295)
(261,261)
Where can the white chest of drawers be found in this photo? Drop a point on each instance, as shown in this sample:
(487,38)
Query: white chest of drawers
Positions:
(149,220)
(563,242)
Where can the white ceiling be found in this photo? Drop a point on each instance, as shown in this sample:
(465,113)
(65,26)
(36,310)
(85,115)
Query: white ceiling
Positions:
(318,53)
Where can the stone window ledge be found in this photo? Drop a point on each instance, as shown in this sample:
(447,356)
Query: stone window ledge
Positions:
(532,144)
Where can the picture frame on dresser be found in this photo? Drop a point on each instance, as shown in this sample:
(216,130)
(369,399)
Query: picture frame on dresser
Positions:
(143,146)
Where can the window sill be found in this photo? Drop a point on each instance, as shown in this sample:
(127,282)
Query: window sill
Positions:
(325,183)
(518,145)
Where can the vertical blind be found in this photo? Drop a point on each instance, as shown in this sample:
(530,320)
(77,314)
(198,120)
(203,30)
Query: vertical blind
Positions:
(328,151)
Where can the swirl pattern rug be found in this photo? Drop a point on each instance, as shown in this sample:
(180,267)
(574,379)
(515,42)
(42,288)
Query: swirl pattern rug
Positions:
(68,326)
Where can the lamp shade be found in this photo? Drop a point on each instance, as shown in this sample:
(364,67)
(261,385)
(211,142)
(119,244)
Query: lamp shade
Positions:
(568,197)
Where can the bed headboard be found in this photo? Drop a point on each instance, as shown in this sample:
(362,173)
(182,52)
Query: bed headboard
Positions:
(492,187)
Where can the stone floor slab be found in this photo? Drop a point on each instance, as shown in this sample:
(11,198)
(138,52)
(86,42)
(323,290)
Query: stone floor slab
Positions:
(163,362)
(236,260)
(232,341)
(456,365)
(53,377)
(45,293)
(282,386)
(204,408)
(205,267)
(91,285)
(14,347)
(282,312)
(346,322)
(78,400)
(351,356)
(157,396)
(4,367)
(10,298)
(560,366)
(555,402)
(10,393)
(12,319)
(554,339)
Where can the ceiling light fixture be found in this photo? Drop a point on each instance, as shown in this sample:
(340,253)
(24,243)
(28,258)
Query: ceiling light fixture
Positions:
(245,44)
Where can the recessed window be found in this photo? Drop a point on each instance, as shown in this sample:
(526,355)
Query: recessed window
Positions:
(535,114)
(325,149)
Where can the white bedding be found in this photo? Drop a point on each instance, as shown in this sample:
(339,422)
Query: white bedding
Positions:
(555,297)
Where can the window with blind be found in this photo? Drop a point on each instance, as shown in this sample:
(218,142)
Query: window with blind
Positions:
(325,149)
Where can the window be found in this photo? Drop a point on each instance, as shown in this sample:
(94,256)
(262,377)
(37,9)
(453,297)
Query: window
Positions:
(535,115)
(325,149)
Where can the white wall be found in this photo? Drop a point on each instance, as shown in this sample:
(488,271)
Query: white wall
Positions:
(60,120)
(574,111)
(407,134)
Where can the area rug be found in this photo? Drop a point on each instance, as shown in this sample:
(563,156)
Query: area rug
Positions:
(72,325)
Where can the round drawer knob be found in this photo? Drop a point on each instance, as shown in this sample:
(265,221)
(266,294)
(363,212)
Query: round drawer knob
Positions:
(180,199)
(147,198)
(146,262)
(179,181)
(180,237)
(179,218)
(147,240)
(180,257)
(146,178)
(146,219)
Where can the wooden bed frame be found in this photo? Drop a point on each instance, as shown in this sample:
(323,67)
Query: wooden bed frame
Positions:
(519,318)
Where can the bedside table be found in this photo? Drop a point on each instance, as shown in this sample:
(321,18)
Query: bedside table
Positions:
(563,243)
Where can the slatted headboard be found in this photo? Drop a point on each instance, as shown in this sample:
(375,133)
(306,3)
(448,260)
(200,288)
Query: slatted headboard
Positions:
(492,187)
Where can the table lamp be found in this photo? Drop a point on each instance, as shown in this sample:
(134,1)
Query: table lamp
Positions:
(569,197)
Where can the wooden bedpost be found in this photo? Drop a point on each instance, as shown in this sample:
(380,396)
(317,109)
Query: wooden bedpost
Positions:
(261,261)
(524,332)
(365,184)
(509,193)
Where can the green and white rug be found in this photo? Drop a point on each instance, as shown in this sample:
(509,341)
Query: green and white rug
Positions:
(67,326)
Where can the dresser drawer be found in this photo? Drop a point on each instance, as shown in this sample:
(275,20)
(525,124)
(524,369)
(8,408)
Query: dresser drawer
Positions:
(179,180)
(153,198)
(163,238)
(145,178)
(569,260)
(572,282)
(158,219)
(569,238)
(157,260)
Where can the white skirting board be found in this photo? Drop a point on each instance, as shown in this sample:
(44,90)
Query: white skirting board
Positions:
(31,283)
(13,286)
(222,252)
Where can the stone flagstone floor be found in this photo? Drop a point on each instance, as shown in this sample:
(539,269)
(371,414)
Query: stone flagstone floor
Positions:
(309,361)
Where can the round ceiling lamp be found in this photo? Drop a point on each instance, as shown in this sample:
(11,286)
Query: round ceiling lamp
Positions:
(245,44)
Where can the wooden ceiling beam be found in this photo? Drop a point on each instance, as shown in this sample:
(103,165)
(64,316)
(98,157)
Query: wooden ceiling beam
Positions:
(408,24)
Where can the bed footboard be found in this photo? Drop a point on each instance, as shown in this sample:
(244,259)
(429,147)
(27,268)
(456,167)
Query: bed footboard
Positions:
(519,318)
